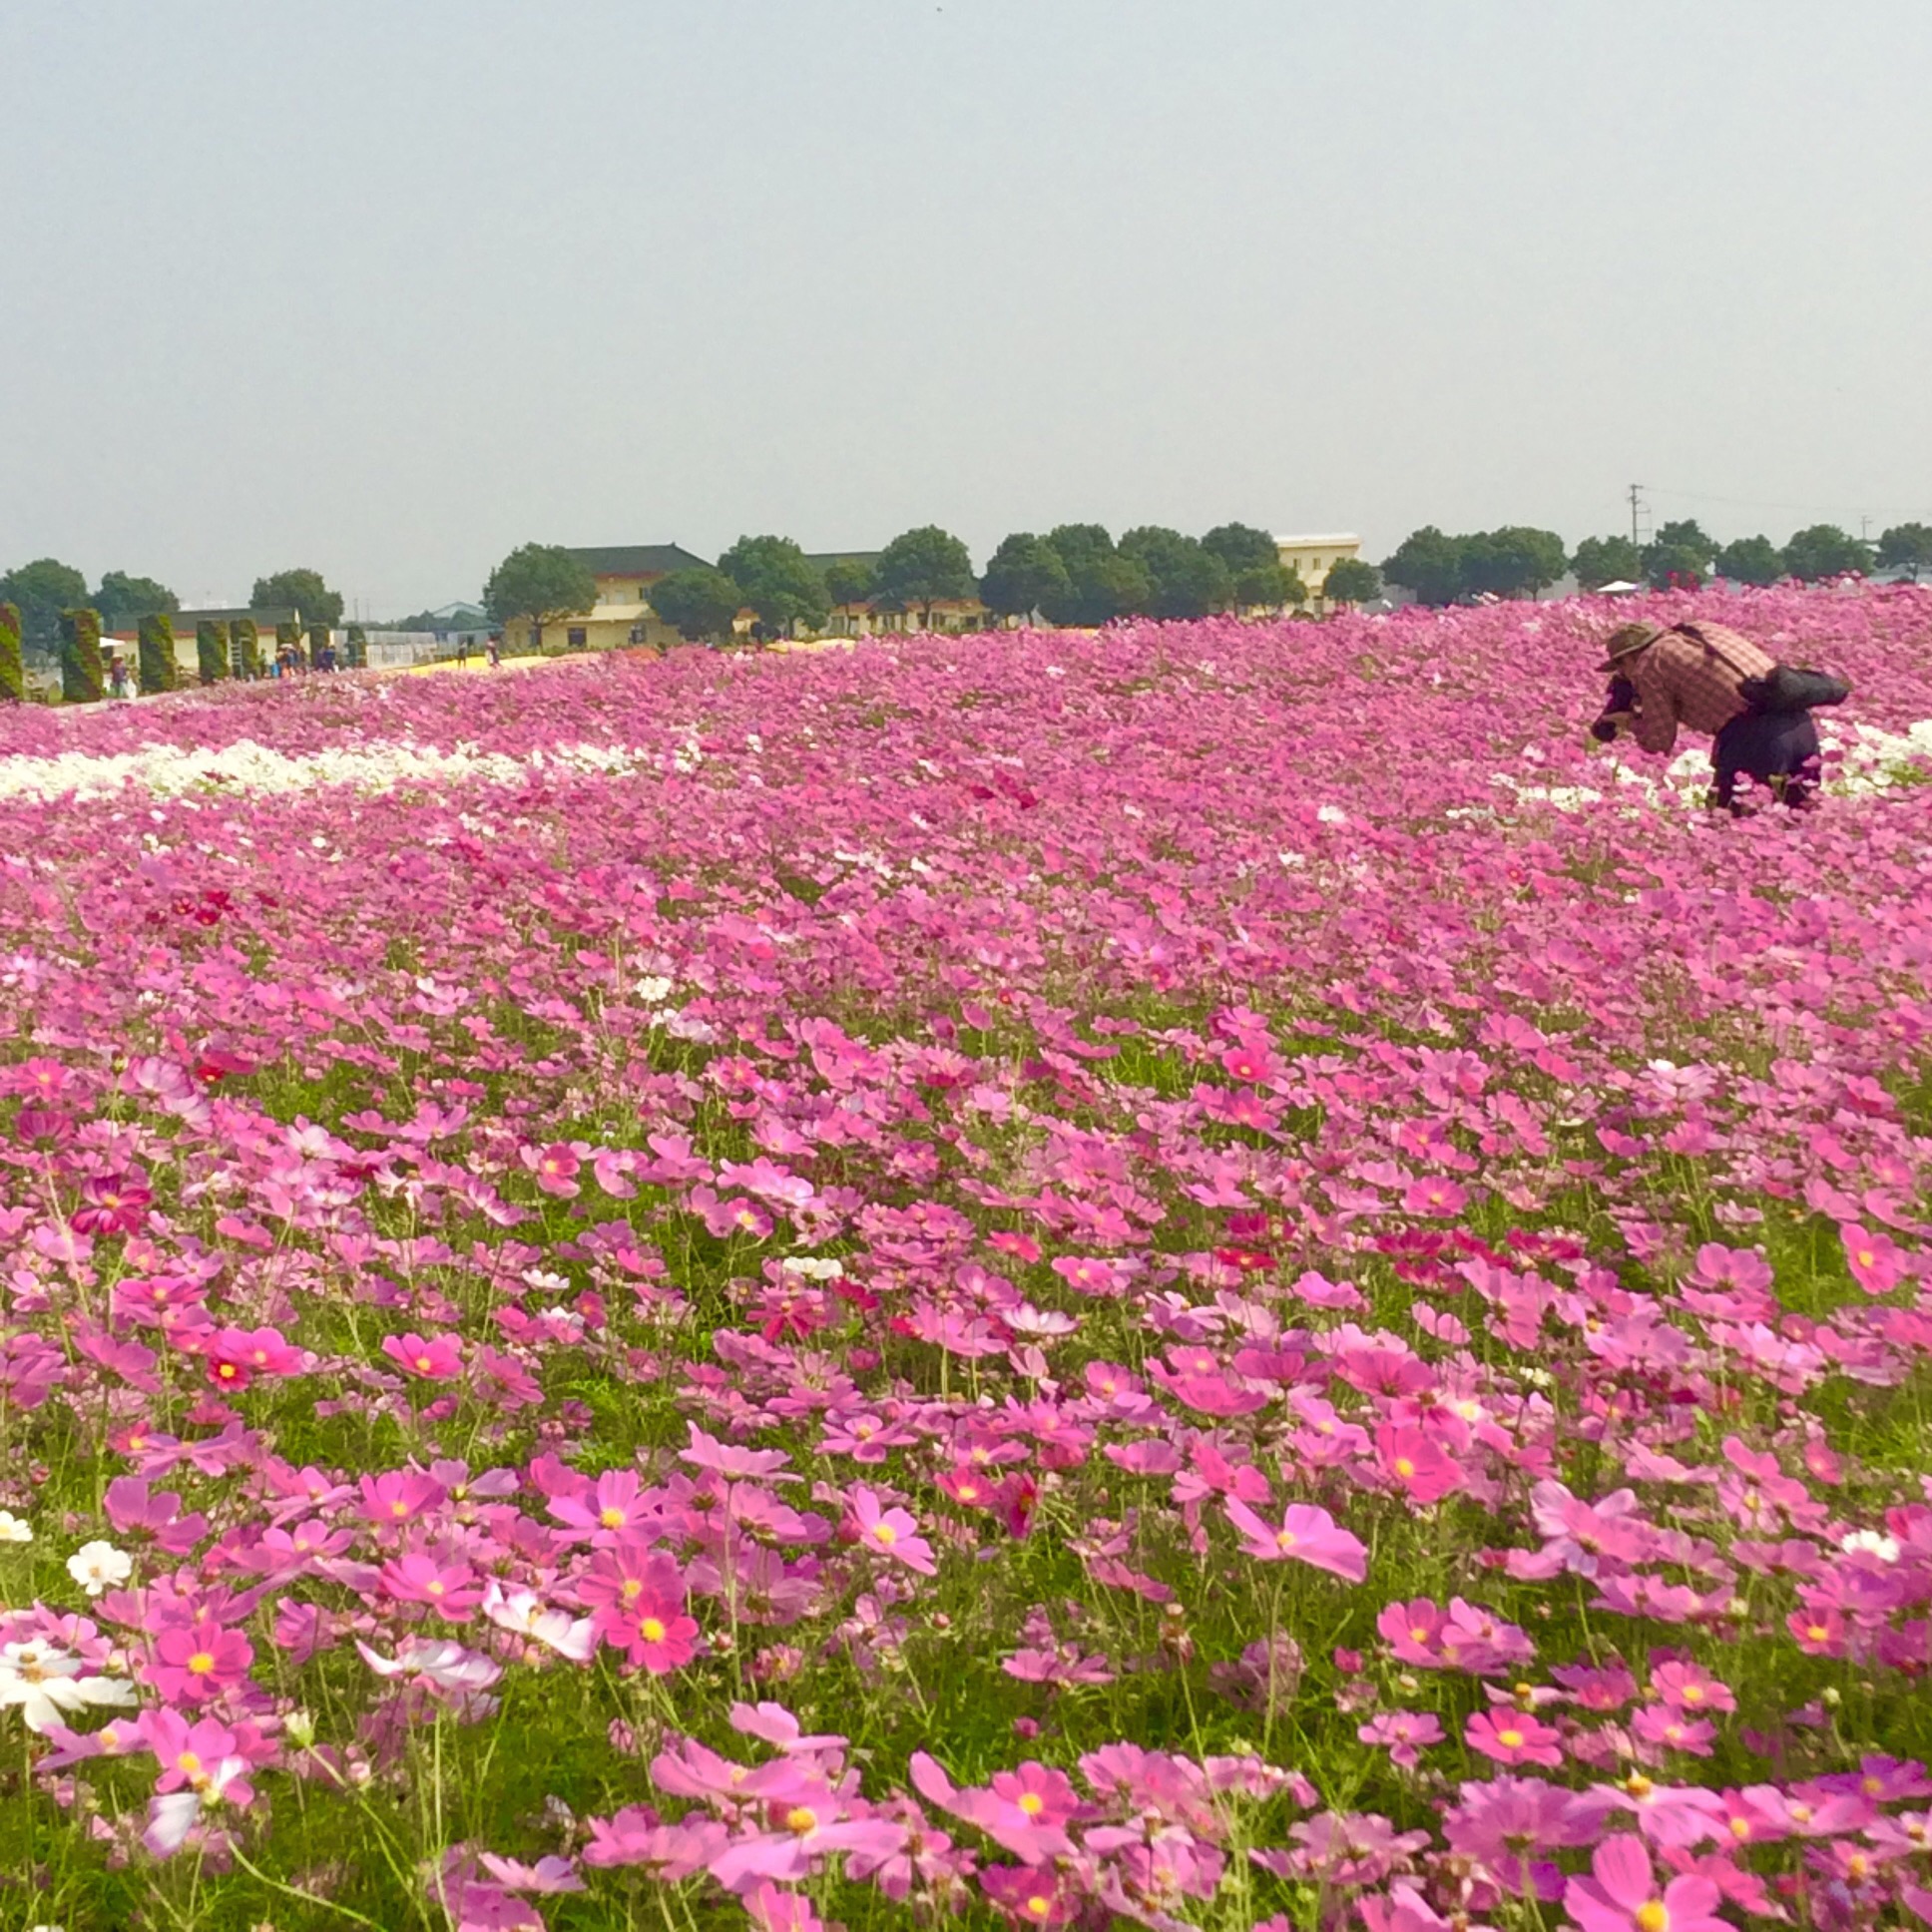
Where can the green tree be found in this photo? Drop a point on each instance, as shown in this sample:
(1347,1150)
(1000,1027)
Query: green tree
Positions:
(82,673)
(1673,567)
(698,602)
(1906,547)
(299,589)
(1823,550)
(1184,578)
(1270,586)
(1685,533)
(158,668)
(356,645)
(1351,581)
(43,590)
(1429,564)
(1606,560)
(851,580)
(924,566)
(318,641)
(781,586)
(1751,560)
(542,583)
(122,599)
(1102,584)
(13,673)
(1241,547)
(1023,575)
(211,649)
(1515,561)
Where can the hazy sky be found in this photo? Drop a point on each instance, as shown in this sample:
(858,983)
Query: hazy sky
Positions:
(389,288)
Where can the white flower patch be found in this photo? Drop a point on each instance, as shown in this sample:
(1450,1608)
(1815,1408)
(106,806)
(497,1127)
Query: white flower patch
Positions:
(168,770)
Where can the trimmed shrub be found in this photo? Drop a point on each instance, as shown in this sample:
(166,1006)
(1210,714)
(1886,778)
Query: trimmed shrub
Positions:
(158,670)
(245,647)
(211,650)
(358,647)
(81,668)
(317,644)
(13,674)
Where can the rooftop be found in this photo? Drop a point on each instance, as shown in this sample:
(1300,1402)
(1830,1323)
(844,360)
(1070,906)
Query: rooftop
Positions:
(635,560)
(1326,540)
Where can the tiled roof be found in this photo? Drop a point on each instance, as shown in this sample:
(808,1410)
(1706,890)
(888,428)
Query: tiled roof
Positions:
(635,560)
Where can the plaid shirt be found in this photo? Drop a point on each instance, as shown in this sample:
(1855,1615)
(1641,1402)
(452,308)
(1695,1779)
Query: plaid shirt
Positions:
(1693,680)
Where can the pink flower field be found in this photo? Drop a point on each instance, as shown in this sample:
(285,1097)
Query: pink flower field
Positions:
(1212,1275)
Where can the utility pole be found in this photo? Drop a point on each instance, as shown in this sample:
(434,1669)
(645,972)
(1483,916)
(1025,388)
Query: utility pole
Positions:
(1865,528)
(1637,511)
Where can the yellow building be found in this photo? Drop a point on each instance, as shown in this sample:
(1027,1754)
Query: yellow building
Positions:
(1311,559)
(622,614)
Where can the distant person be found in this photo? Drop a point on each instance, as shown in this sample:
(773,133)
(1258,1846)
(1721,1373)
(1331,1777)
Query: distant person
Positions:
(117,676)
(496,651)
(463,650)
(1713,678)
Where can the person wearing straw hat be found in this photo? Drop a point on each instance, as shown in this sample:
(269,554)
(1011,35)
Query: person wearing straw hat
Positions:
(1713,678)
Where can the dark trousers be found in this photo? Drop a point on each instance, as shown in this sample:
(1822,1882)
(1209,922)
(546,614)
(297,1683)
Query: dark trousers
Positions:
(1779,747)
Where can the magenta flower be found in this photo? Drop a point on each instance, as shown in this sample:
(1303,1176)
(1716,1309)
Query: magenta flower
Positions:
(1621,1895)
(891,1532)
(1305,1534)
(196,1662)
(438,1358)
(1513,1737)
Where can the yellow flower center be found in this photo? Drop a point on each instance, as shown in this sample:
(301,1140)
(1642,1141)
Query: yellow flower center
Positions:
(201,1662)
(1038,1907)
(652,1630)
(611,1517)
(1032,1804)
(189,1762)
(1284,1539)
(1651,1917)
(801,1819)
(885,1533)
(1694,1694)
(1511,1739)
(1405,1465)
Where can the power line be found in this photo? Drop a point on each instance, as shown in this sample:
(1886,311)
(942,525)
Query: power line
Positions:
(1808,509)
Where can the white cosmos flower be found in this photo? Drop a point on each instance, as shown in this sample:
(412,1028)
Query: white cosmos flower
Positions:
(99,1566)
(14,1529)
(46,1684)
(1870,1543)
(438,1660)
(654,989)
(525,1613)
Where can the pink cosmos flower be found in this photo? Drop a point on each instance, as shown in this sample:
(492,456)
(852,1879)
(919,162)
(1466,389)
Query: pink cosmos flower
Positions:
(556,1169)
(1305,1534)
(1417,1463)
(891,1532)
(399,1496)
(1621,1895)
(650,1625)
(196,1662)
(438,1358)
(1514,1737)
(1875,1261)
(1406,1733)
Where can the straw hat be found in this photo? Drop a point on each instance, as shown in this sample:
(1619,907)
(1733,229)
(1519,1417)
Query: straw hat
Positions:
(1626,642)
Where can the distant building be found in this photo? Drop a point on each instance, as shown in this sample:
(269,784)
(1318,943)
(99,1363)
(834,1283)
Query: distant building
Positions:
(1311,559)
(871,618)
(622,613)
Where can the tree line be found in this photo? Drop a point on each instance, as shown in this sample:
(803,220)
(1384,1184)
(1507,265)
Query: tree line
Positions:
(1076,574)
(1517,561)
(45,590)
